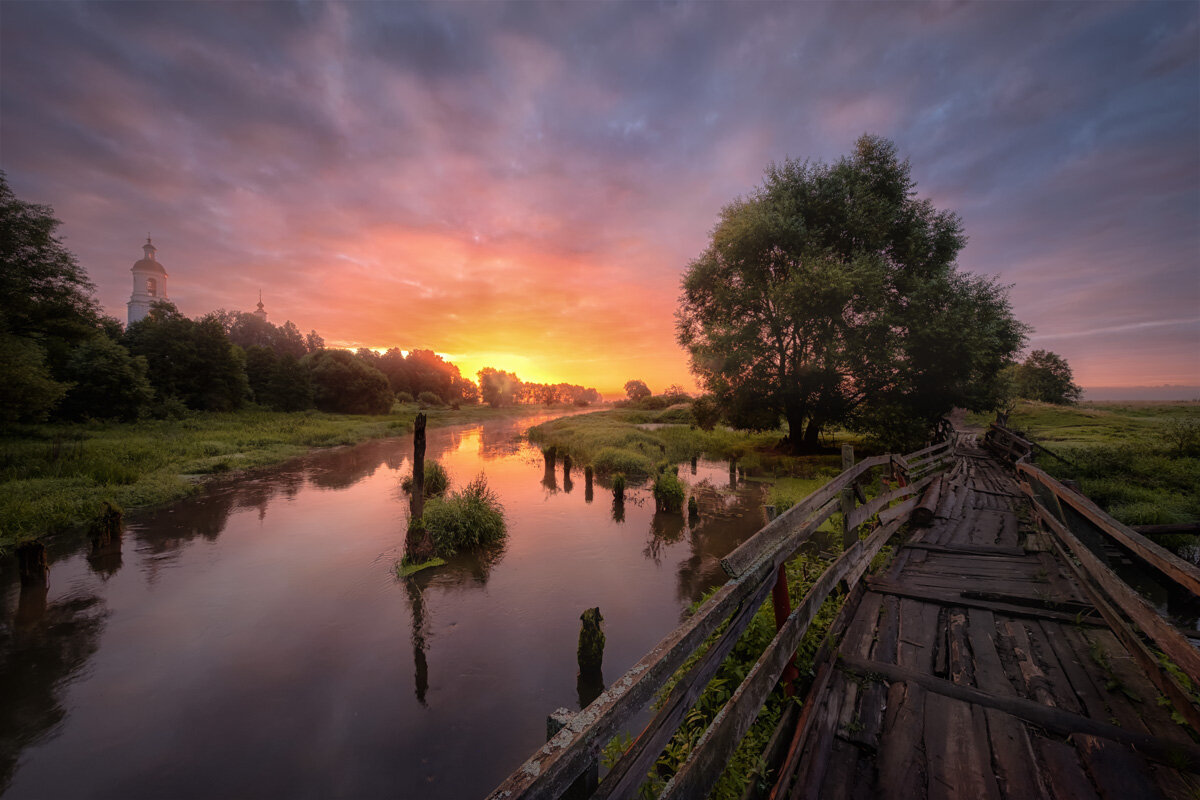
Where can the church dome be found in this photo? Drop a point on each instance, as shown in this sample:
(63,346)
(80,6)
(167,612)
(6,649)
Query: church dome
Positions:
(148,263)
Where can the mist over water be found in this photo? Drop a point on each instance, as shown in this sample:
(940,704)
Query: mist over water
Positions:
(254,640)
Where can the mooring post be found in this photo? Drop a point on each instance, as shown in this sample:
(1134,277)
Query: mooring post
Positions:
(418,544)
(849,535)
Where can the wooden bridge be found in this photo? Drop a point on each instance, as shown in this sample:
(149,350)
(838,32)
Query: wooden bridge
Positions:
(995,656)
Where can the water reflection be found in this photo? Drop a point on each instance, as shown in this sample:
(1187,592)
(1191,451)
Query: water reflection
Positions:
(270,599)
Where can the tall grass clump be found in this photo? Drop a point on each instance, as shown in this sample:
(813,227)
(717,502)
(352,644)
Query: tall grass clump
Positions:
(668,492)
(470,519)
(437,480)
(629,462)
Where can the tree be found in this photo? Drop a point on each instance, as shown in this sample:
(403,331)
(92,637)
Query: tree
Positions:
(831,296)
(106,382)
(342,383)
(1047,377)
(498,388)
(27,392)
(192,360)
(637,390)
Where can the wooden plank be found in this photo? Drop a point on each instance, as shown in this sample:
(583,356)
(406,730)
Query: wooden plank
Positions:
(710,753)
(901,762)
(1064,775)
(1185,574)
(922,515)
(957,753)
(865,512)
(955,598)
(783,528)
(1173,754)
(933,448)
(1163,634)
(1117,773)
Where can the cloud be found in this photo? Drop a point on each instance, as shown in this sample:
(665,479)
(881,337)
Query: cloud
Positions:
(531,179)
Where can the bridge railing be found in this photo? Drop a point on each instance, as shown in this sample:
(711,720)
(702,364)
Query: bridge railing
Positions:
(1073,520)
(755,569)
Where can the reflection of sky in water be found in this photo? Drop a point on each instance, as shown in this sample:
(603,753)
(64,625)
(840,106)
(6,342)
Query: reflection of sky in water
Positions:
(254,641)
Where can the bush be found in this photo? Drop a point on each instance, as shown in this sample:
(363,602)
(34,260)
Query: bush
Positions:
(668,493)
(466,520)
(616,459)
(429,399)
(345,384)
(404,397)
(437,480)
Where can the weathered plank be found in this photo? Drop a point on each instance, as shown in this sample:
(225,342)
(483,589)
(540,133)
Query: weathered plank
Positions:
(954,598)
(1185,574)
(1175,754)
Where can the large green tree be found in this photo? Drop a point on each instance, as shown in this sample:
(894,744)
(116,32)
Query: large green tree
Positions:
(831,295)
(1046,376)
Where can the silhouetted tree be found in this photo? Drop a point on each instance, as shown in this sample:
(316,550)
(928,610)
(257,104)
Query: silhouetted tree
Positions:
(343,383)
(106,382)
(637,390)
(831,295)
(499,388)
(1047,377)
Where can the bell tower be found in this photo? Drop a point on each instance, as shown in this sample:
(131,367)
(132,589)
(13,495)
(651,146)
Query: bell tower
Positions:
(149,283)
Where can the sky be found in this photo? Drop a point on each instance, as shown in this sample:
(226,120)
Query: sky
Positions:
(521,185)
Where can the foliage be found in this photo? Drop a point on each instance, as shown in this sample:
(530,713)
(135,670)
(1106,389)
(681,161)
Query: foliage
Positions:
(1047,377)
(45,295)
(637,390)
(189,359)
(106,382)
(27,392)
(405,397)
(615,459)
(429,399)
(499,388)
(668,492)
(437,480)
(706,412)
(466,520)
(343,383)
(831,295)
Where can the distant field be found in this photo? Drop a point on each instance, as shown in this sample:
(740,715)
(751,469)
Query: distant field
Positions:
(59,476)
(1139,460)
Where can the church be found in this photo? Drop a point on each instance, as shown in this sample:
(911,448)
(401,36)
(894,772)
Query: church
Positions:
(150,285)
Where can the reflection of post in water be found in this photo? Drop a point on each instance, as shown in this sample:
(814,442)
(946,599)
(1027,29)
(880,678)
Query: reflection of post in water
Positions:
(549,479)
(588,494)
(35,584)
(104,557)
(693,465)
(416,601)
(590,655)
(733,473)
(568,485)
(618,486)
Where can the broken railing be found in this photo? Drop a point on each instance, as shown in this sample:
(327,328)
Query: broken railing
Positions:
(756,570)
(1073,520)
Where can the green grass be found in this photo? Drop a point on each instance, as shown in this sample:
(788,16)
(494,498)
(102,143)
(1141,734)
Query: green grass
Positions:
(58,477)
(465,520)
(1127,457)
(636,442)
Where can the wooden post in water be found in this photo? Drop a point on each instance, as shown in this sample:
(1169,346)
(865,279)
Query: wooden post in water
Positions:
(849,535)
(587,483)
(418,544)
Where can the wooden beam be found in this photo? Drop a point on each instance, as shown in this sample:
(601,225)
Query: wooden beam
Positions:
(1185,574)
(1174,754)
(711,753)
(952,599)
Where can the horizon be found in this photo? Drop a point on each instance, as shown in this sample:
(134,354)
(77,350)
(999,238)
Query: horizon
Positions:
(522,186)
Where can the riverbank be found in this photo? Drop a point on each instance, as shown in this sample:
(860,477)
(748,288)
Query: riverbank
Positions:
(60,477)
(1140,461)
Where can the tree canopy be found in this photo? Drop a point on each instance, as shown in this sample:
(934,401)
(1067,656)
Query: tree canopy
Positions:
(831,295)
(1046,376)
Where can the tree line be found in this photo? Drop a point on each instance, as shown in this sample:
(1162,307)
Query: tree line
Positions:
(62,358)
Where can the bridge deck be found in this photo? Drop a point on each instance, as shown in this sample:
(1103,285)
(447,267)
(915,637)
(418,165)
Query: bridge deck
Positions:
(965,670)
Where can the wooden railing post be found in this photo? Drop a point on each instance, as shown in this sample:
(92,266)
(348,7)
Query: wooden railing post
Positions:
(849,533)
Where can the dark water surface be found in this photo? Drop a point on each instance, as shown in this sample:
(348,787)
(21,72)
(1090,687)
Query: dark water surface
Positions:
(253,641)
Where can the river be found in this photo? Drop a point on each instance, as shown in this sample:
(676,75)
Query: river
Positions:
(254,641)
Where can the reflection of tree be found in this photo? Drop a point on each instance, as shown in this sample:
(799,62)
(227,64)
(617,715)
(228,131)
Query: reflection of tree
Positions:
(39,653)
(549,478)
(499,440)
(416,602)
(665,529)
(726,520)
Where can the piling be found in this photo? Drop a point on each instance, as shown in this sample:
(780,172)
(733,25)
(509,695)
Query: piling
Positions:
(588,493)
(418,544)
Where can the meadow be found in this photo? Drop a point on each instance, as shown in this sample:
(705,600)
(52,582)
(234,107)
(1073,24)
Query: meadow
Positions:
(61,476)
(1139,461)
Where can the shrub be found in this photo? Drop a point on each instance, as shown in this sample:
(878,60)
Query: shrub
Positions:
(429,399)
(404,397)
(437,480)
(617,459)
(668,493)
(344,384)
(466,520)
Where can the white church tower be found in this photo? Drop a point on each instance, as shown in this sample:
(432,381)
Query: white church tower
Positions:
(149,283)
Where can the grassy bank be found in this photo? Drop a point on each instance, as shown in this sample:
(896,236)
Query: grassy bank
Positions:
(1139,461)
(57,477)
(636,442)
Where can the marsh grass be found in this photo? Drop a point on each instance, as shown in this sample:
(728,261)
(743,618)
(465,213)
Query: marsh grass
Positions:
(58,477)
(437,480)
(466,520)
(1130,458)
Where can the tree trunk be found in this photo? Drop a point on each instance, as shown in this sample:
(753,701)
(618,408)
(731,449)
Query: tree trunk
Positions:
(812,437)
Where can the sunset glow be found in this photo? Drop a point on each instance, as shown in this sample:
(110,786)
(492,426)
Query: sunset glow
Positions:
(521,186)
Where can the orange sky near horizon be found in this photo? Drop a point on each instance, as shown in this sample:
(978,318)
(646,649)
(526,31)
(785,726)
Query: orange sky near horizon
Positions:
(521,186)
